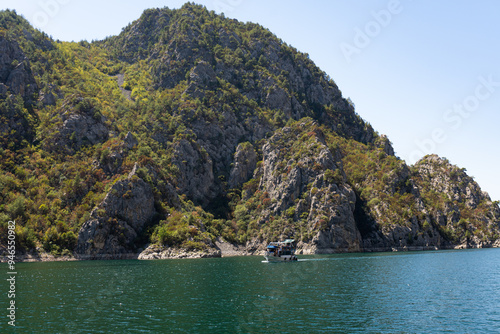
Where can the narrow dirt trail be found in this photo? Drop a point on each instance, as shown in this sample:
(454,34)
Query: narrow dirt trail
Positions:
(121,80)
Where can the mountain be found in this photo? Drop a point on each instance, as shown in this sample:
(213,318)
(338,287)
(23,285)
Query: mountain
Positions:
(190,134)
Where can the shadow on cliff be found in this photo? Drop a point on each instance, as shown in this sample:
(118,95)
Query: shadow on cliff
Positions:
(372,237)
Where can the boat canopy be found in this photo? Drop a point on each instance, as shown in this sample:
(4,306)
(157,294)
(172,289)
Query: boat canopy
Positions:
(278,244)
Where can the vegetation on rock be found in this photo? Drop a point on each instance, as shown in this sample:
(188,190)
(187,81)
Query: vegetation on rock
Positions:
(224,130)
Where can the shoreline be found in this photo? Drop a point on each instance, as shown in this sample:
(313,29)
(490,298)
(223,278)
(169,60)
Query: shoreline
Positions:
(225,251)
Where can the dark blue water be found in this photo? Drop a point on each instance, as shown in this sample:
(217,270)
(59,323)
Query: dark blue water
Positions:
(416,292)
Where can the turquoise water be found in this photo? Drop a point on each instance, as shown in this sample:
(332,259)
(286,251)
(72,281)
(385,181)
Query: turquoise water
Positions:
(415,292)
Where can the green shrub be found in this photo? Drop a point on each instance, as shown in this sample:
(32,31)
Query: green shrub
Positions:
(17,207)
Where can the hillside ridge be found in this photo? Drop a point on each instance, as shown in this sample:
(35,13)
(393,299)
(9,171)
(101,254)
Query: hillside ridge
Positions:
(191,135)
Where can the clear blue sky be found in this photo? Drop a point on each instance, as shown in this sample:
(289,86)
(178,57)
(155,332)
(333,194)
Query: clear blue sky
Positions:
(426,73)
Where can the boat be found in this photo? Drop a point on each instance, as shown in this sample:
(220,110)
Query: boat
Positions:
(281,251)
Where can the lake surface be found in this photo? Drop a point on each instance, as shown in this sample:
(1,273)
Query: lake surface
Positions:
(414,292)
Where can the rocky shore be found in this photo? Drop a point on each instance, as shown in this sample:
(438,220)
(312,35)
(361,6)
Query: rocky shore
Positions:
(223,249)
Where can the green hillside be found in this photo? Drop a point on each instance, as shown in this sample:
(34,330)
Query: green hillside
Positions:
(189,129)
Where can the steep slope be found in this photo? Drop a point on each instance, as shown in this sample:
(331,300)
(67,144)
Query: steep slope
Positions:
(18,88)
(430,205)
(239,71)
(455,204)
(188,130)
(246,56)
(300,191)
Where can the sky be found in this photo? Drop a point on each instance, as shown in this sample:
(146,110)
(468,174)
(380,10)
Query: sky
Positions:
(425,73)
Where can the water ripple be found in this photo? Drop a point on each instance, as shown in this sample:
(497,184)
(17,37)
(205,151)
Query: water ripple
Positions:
(420,292)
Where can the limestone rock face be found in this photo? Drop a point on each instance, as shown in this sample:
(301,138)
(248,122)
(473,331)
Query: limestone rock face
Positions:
(220,141)
(15,72)
(202,77)
(245,161)
(130,141)
(385,144)
(456,184)
(195,171)
(48,99)
(130,200)
(86,129)
(16,82)
(466,213)
(440,207)
(305,181)
(82,125)
(278,99)
(155,252)
(112,163)
(117,221)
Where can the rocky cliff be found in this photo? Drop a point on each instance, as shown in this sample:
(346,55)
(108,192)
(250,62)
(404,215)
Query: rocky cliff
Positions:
(116,223)
(430,205)
(454,203)
(16,76)
(189,134)
(302,191)
(18,89)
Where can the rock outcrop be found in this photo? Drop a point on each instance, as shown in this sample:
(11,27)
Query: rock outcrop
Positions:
(129,142)
(455,204)
(432,205)
(384,143)
(245,161)
(195,177)
(117,221)
(82,125)
(155,252)
(15,72)
(202,77)
(220,141)
(303,192)
(112,162)
(17,124)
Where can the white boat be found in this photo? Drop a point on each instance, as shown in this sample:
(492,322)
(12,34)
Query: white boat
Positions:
(281,251)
